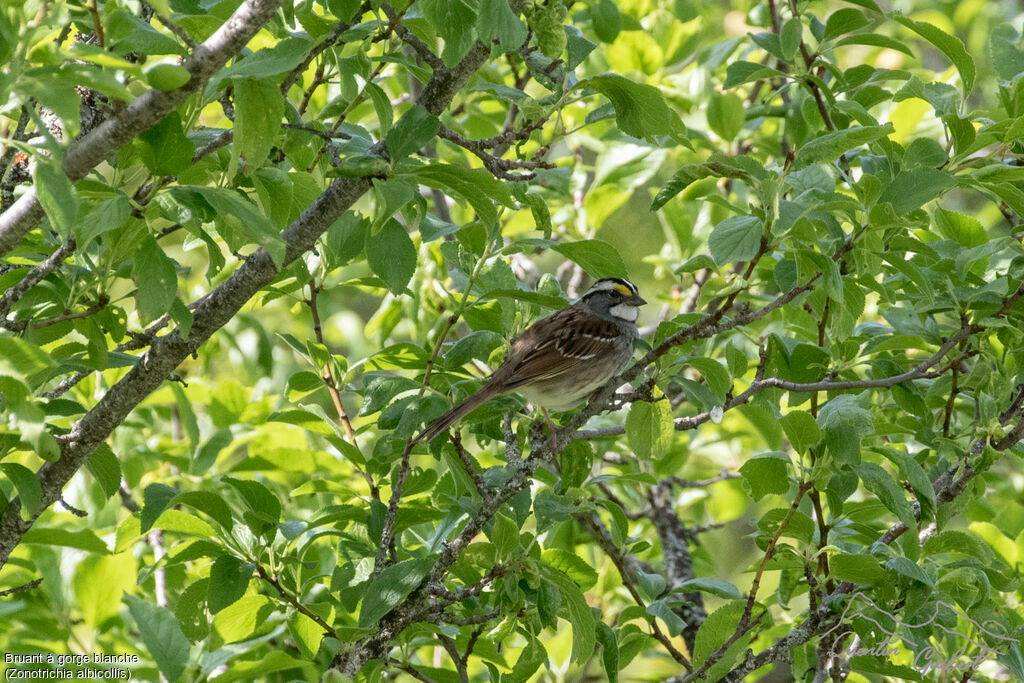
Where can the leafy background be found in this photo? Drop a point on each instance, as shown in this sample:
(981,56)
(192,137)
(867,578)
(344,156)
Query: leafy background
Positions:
(816,198)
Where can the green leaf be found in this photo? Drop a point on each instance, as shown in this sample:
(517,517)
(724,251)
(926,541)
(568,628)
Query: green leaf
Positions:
(98,584)
(719,587)
(740,72)
(737,238)
(607,22)
(271,61)
(766,473)
(876,40)
(504,534)
(716,376)
(207,502)
(127,33)
(454,21)
(390,587)
(966,230)
(842,21)
(909,569)
(391,255)
(110,214)
(801,430)
(229,577)
(243,618)
(497,21)
(414,129)
(56,195)
(716,629)
(237,213)
(162,636)
(649,428)
(259,499)
(725,115)
(680,180)
(673,622)
(950,46)
(259,107)
(855,568)
(82,539)
(609,651)
(477,186)
(640,109)
(106,468)
(155,499)
(165,149)
(27,484)
(913,189)
(157,280)
(573,566)
(580,616)
(25,358)
(597,257)
(831,146)
(1004,53)
(881,483)
(790,38)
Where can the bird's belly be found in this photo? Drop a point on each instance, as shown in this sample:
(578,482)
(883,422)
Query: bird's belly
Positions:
(559,398)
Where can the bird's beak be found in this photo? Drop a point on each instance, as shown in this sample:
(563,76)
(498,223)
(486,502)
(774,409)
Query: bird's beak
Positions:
(636,300)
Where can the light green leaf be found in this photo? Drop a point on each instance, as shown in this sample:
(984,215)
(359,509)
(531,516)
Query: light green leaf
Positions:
(649,428)
(881,483)
(496,21)
(82,539)
(766,473)
(580,616)
(56,195)
(390,587)
(725,115)
(243,618)
(801,430)
(951,46)
(98,584)
(855,568)
(640,109)
(597,257)
(913,189)
(110,214)
(737,238)
(573,566)
(156,278)
(27,484)
(259,107)
(106,468)
(830,146)
(162,636)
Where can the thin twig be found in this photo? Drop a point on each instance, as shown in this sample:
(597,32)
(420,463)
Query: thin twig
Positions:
(294,602)
(20,589)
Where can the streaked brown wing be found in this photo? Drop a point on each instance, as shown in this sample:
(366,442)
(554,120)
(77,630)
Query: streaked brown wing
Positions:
(557,345)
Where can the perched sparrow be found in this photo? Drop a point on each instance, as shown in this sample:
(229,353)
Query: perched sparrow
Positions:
(560,360)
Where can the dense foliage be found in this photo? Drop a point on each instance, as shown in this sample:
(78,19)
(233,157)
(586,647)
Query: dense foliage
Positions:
(249,249)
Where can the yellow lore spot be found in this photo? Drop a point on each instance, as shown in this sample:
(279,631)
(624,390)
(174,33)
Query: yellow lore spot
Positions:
(623,289)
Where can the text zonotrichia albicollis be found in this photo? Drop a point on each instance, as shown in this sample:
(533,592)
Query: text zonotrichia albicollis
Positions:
(560,360)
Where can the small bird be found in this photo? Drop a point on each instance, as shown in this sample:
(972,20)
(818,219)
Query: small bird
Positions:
(560,360)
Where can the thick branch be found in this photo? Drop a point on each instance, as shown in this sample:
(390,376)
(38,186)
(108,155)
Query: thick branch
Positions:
(85,153)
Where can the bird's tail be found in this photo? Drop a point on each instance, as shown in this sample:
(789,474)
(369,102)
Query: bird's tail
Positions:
(442,423)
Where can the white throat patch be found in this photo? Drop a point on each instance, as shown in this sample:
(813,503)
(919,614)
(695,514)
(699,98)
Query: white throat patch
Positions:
(624,311)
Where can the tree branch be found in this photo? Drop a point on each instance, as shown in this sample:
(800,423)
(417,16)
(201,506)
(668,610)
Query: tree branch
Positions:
(145,112)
